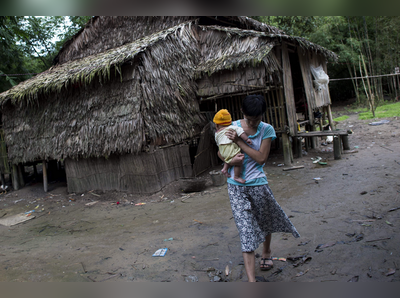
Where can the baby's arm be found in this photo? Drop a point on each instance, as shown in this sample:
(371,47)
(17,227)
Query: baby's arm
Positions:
(245,138)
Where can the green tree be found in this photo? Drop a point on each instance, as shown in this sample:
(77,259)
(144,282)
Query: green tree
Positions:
(28,44)
(366,46)
(11,54)
(293,25)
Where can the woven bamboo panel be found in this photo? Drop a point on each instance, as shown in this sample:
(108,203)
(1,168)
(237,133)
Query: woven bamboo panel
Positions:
(144,173)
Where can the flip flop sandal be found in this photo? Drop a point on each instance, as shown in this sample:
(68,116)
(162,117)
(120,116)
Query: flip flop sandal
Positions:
(265,267)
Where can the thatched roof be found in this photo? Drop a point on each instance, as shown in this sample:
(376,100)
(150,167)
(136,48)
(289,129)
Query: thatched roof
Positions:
(105,32)
(246,47)
(244,22)
(222,49)
(149,98)
(235,47)
(102,33)
(97,66)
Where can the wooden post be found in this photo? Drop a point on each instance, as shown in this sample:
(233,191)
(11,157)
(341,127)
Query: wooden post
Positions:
(345,140)
(35,173)
(44,176)
(15,180)
(330,119)
(337,150)
(313,139)
(289,90)
(3,180)
(21,175)
(299,148)
(286,150)
(323,119)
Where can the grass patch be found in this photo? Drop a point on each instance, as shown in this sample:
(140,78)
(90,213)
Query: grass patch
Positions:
(341,118)
(384,111)
(356,110)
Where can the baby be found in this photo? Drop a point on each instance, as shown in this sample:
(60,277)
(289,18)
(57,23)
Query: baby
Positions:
(229,150)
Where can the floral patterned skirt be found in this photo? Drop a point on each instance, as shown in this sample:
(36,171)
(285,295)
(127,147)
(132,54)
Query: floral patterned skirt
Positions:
(257,214)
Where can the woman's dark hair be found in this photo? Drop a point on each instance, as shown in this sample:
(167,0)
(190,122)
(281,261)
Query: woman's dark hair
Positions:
(254,105)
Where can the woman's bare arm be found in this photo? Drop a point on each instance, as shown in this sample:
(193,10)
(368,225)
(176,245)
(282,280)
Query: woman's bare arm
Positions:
(259,156)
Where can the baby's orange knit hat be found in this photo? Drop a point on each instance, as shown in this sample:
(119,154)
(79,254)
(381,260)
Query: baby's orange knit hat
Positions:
(222,117)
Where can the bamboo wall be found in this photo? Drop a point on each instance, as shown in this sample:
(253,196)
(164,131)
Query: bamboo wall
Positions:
(274,115)
(228,88)
(206,155)
(144,173)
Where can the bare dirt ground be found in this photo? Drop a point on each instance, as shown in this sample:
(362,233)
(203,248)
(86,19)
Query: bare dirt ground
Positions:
(348,222)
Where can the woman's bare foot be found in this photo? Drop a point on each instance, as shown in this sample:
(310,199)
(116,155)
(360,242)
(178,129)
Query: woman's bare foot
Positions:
(266,261)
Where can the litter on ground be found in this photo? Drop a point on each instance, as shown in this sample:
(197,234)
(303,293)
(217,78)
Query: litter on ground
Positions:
(15,219)
(160,252)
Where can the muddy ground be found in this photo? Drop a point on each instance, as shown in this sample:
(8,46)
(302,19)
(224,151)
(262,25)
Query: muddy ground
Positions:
(349,230)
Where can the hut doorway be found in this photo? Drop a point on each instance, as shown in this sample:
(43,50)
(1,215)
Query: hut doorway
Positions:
(300,99)
(274,115)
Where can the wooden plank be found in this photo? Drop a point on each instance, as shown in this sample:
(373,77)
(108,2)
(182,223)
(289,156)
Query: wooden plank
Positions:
(266,116)
(286,150)
(44,176)
(323,133)
(281,107)
(273,101)
(350,151)
(308,83)
(293,168)
(289,92)
(330,118)
(269,108)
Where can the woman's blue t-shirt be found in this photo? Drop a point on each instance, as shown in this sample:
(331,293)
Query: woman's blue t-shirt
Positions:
(253,172)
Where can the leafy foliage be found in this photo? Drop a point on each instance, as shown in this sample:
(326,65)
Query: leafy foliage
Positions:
(374,39)
(29,44)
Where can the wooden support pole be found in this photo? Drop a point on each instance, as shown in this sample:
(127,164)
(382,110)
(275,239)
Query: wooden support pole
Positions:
(313,139)
(35,173)
(295,146)
(286,150)
(21,171)
(330,119)
(337,150)
(44,176)
(3,180)
(15,180)
(324,114)
(299,149)
(345,140)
